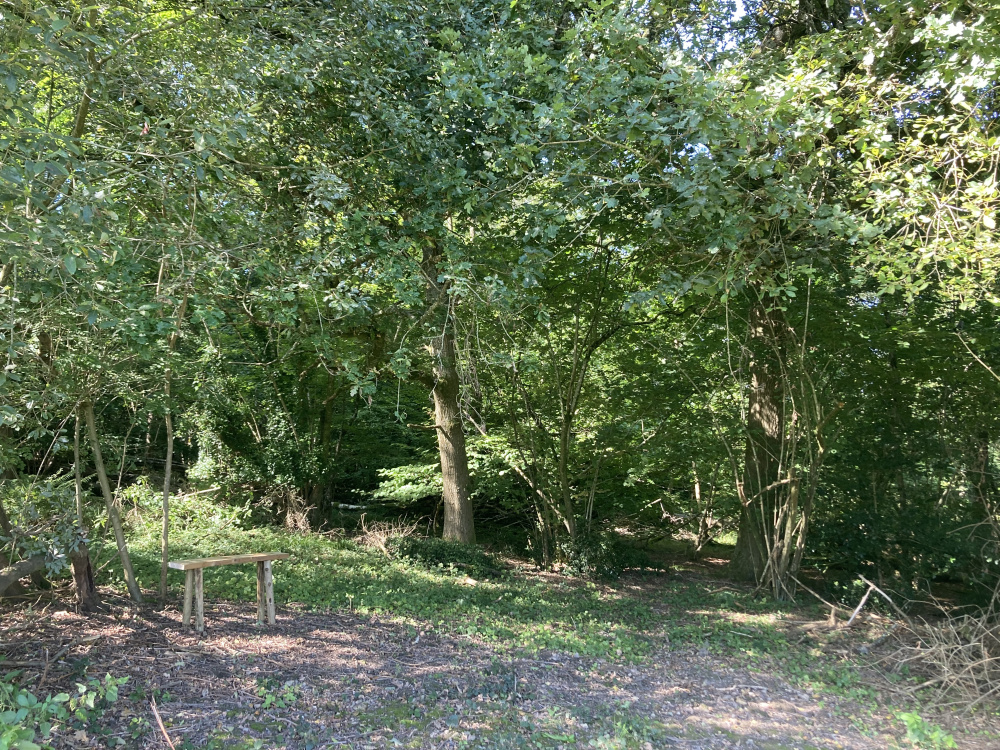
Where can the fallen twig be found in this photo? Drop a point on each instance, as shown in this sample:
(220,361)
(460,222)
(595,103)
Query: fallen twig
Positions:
(159,723)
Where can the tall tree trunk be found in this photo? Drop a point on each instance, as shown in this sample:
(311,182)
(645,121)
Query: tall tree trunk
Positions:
(109,501)
(458,524)
(762,461)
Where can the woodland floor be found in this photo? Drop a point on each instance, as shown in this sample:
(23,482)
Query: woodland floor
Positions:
(345,680)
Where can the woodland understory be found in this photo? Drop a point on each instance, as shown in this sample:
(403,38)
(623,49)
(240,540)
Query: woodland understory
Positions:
(653,345)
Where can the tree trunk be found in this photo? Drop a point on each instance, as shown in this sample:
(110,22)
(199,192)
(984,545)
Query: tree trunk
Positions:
(87,597)
(165,528)
(168,467)
(5,526)
(458,524)
(109,501)
(762,462)
(78,482)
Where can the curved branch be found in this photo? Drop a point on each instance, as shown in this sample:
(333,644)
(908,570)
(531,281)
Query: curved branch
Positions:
(17,571)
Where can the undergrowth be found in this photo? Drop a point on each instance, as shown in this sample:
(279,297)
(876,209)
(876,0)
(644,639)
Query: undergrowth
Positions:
(425,581)
(439,554)
(463,590)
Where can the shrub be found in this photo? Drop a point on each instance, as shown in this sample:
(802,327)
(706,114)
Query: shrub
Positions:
(405,485)
(43,519)
(204,509)
(433,553)
(378,535)
(25,718)
(600,555)
(923,734)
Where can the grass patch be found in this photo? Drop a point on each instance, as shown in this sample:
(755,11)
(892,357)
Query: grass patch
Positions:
(464,591)
(511,612)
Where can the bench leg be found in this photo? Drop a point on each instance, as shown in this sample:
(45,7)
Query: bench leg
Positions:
(260,594)
(269,591)
(188,591)
(199,603)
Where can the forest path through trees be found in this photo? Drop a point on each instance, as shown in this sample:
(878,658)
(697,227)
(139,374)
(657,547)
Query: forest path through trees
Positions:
(343,679)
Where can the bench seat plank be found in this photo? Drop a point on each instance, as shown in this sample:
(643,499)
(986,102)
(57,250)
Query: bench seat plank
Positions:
(212,562)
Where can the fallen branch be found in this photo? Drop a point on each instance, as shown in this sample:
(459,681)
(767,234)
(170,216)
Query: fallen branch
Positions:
(888,598)
(20,570)
(833,607)
(73,644)
(866,648)
(858,608)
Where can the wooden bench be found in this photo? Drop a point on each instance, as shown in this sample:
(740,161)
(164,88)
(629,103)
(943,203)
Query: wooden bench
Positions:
(194,585)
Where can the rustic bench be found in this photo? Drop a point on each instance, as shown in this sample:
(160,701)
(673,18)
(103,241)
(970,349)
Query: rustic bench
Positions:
(194,585)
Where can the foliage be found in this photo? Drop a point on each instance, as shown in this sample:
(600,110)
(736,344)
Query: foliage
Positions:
(432,553)
(44,520)
(923,734)
(25,718)
(276,694)
(594,202)
(200,509)
(403,485)
(601,555)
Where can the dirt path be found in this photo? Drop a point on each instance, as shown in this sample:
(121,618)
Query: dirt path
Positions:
(340,680)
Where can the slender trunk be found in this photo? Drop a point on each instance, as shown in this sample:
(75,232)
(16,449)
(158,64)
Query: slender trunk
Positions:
(168,467)
(762,462)
(981,473)
(704,512)
(458,523)
(5,526)
(14,588)
(76,469)
(149,438)
(109,501)
(569,512)
(589,513)
(165,528)
(87,598)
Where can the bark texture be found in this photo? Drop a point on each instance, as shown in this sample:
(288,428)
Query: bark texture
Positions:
(87,598)
(458,523)
(165,525)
